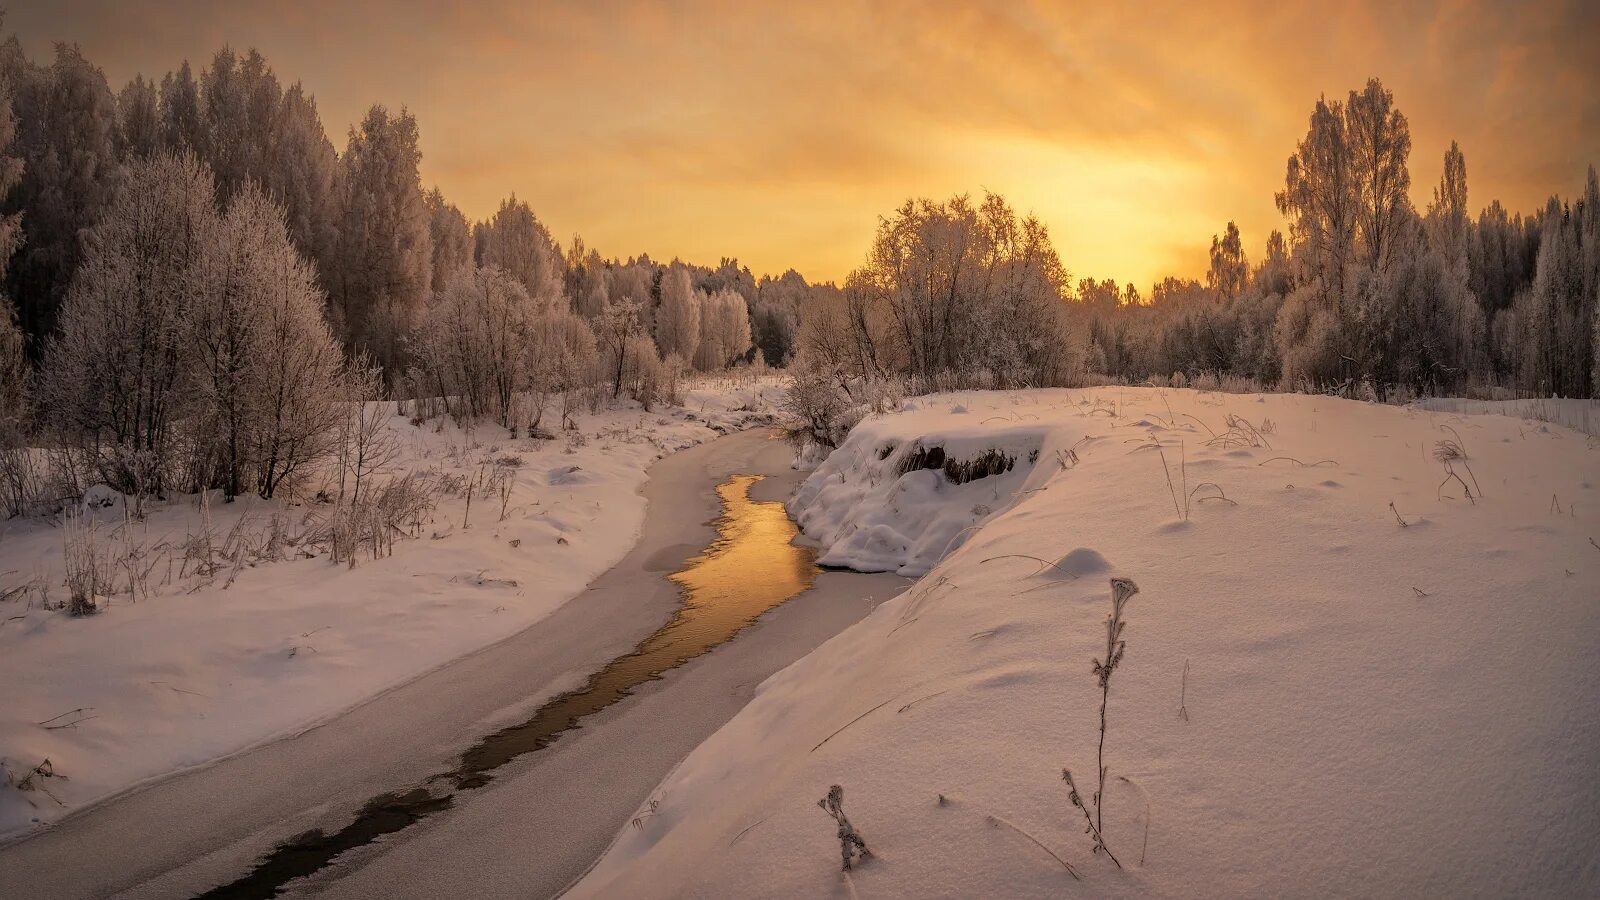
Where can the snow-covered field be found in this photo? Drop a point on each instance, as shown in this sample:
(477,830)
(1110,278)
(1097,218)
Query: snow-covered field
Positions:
(1346,679)
(203,669)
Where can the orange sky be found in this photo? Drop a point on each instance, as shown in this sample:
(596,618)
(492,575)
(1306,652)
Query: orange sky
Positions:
(778,134)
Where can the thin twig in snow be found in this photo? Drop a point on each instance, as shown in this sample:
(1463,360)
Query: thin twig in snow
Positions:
(996,820)
(746,830)
(919,700)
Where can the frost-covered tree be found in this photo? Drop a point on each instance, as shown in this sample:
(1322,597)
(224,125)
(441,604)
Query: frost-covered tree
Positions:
(238,108)
(1319,199)
(1449,236)
(138,119)
(265,368)
(452,239)
(13,356)
(192,351)
(1229,270)
(114,373)
(296,379)
(300,169)
(383,257)
(588,279)
(775,315)
(617,332)
(1380,144)
(724,330)
(971,292)
(517,243)
(562,360)
(678,321)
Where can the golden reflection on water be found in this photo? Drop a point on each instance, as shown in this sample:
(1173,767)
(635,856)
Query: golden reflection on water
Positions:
(752,566)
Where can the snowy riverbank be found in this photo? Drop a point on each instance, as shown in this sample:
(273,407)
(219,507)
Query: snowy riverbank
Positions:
(203,670)
(1344,679)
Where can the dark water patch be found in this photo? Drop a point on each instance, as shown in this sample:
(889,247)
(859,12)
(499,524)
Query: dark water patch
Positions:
(750,568)
(958,471)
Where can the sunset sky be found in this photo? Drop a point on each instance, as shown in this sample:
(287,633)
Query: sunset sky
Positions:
(777,133)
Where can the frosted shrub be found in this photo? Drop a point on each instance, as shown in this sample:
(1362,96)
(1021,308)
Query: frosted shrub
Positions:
(815,409)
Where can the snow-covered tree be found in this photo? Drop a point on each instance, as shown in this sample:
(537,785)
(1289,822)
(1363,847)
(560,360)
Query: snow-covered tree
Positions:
(239,109)
(1319,199)
(297,382)
(775,315)
(265,368)
(13,357)
(562,362)
(182,127)
(616,332)
(969,291)
(1380,144)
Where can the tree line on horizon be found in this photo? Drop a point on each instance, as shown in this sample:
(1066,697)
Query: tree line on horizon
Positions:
(1365,295)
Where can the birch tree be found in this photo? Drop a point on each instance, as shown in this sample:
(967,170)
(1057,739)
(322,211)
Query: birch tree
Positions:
(678,321)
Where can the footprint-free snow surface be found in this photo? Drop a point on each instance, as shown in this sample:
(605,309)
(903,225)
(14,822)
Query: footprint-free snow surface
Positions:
(1343,676)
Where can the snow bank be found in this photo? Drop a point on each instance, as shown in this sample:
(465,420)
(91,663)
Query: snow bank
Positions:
(200,671)
(1576,414)
(1323,694)
(904,491)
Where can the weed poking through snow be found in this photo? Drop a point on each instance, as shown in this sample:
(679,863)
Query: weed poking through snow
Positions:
(850,843)
(1122,590)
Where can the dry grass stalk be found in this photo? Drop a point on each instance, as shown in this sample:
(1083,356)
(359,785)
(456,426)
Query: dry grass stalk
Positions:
(1183,694)
(1397,518)
(1122,590)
